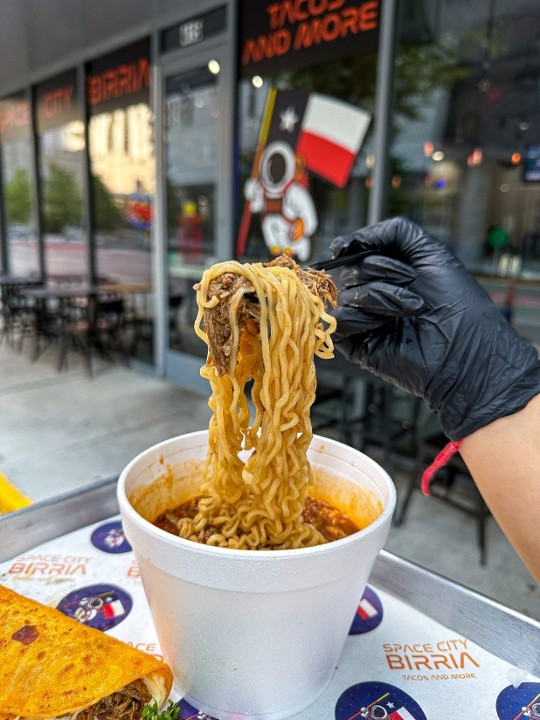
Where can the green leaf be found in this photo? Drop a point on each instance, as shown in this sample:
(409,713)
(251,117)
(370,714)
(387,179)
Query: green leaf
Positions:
(151,712)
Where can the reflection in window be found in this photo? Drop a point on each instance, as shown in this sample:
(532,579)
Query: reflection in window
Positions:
(192,157)
(467,122)
(17,163)
(122,166)
(465,151)
(192,123)
(61,147)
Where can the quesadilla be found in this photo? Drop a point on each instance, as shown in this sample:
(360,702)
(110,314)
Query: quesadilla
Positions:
(52,666)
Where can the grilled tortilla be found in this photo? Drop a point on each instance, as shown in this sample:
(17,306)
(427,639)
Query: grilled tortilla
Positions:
(52,666)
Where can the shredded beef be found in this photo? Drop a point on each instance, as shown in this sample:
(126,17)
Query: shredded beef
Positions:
(316,281)
(125,704)
(216,319)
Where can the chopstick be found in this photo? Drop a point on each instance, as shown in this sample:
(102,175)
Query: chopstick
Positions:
(342,260)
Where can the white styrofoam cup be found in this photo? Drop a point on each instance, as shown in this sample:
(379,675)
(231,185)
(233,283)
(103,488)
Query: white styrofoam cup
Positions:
(250,634)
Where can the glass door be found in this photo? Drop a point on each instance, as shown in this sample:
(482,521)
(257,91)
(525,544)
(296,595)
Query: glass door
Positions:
(195,203)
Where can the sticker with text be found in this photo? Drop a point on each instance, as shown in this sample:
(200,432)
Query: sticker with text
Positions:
(98,606)
(369,613)
(521,702)
(48,567)
(373,700)
(450,659)
(110,538)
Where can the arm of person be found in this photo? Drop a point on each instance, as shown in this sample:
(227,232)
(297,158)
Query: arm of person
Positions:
(412,314)
(504,460)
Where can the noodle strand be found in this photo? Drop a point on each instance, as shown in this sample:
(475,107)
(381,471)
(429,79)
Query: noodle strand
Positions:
(256,502)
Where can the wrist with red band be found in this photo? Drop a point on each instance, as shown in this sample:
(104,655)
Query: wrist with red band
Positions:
(440,461)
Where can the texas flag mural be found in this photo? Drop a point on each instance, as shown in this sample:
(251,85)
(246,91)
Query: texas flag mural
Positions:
(301,134)
(331,134)
(325,132)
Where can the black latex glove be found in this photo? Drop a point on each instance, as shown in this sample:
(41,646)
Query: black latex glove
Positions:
(412,315)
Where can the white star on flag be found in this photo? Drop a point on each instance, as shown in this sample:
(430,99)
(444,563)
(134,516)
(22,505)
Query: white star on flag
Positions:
(288,118)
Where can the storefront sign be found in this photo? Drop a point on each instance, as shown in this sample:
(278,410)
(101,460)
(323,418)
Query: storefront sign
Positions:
(194,30)
(57,102)
(15,118)
(297,33)
(120,79)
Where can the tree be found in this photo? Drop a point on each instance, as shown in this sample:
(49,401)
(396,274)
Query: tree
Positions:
(62,200)
(107,214)
(19,198)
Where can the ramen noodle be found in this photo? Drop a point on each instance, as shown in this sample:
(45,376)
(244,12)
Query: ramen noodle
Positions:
(264,325)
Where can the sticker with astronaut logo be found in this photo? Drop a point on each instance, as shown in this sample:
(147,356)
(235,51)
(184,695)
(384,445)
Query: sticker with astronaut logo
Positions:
(301,134)
(98,606)
(110,538)
(369,613)
(521,702)
(188,712)
(375,701)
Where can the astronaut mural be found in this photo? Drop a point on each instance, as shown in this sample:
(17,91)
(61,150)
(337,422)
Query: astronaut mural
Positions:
(301,133)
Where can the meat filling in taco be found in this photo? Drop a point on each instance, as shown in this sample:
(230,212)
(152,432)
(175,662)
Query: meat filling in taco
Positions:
(53,667)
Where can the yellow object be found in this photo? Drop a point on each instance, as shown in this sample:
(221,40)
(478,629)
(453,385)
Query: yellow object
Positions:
(189,208)
(53,665)
(11,498)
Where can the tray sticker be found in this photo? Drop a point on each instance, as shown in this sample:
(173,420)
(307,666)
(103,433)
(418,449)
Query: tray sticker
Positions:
(369,613)
(110,538)
(374,700)
(188,712)
(98,606)
(521,702)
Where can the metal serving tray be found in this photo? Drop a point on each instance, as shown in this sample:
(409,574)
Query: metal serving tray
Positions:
(503,632)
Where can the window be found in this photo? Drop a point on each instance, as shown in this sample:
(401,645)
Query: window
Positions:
(61,147)
(466,123)
(466,127)
(306,122)
(17,180)
(121,149)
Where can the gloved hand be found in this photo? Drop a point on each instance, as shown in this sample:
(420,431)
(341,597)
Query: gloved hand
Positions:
(412,315)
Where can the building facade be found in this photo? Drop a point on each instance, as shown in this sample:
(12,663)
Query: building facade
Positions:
(143,141)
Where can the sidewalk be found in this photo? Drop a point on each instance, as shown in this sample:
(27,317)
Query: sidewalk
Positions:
(61,431)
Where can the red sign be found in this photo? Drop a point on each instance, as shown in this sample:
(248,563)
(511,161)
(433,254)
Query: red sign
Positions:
(120,79)
(296,33)
(126,79)
(15,118)
(57,102)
